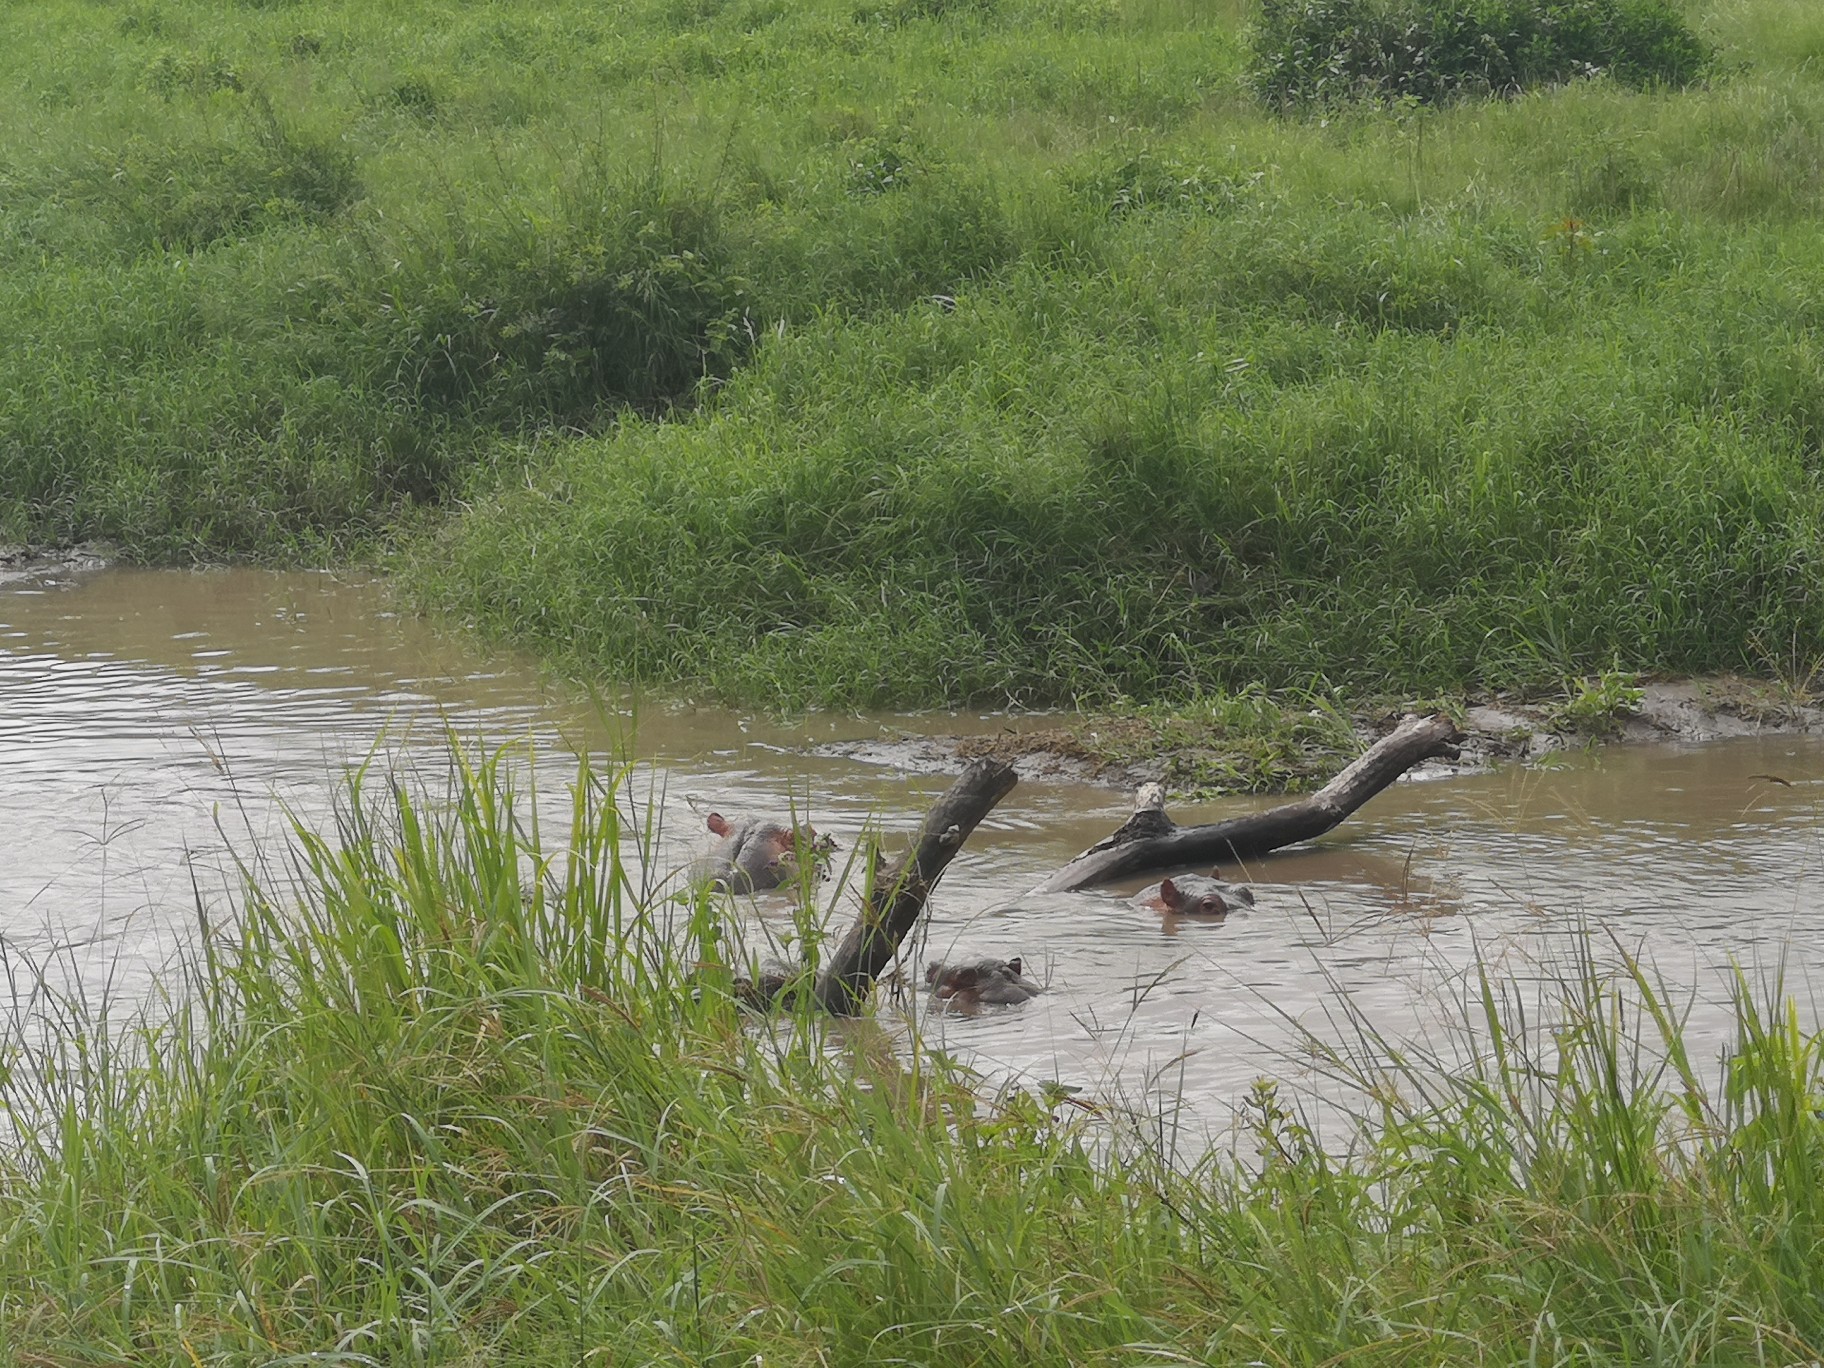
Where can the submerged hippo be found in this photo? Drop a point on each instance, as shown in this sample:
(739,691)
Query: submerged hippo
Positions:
(752,855)
(1192,895)
(979,983)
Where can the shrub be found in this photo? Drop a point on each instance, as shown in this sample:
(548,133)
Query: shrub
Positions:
(1430,50)
(510,321)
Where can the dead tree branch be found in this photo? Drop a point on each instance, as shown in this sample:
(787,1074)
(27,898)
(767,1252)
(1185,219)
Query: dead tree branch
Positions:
(898,895)
(1150,841)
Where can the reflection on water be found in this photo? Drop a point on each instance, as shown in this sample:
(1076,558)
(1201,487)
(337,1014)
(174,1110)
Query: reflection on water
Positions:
(156,723)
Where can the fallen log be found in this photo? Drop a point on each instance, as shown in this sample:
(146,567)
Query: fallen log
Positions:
(896,897)
(1150,841)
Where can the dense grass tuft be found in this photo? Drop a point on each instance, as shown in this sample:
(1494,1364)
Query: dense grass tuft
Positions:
(1327,51)
(186,196)
(457,1090)
(918,502)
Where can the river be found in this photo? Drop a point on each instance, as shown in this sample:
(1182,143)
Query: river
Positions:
(156,725)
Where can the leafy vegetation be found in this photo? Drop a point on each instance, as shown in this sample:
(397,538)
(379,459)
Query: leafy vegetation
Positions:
(1598,705)
(458,1092)
(1430,50)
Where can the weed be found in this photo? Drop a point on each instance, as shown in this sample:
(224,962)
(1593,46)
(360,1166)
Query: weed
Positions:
(170,73)
(1598,705)
(187,196)
(1795,670)
(1149,182)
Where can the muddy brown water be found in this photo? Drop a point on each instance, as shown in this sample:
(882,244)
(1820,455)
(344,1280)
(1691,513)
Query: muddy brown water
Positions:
(152,724)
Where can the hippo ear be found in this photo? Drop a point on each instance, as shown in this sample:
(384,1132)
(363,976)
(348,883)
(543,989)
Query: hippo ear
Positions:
(719,824)
(1168,892)
(1014,964)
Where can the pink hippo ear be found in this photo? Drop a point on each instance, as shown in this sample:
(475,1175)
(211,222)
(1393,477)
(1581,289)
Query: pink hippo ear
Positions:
(1169,894)
(719,824)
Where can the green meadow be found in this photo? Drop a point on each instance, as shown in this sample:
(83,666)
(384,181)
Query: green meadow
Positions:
(901,352)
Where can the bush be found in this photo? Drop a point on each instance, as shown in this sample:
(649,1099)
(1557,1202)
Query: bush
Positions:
(508,323)
(1430,50)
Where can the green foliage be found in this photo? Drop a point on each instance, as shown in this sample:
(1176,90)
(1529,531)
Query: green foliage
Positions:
(186,196)
(631,303)
(1408,472)
(1327,51)
(1598,705)
(970,352)
(1151,182)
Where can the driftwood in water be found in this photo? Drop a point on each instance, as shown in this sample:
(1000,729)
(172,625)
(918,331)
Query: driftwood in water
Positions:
(1150,840)
(897,896)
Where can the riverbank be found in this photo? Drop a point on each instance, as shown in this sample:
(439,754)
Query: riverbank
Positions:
(1250,742)
(1258,743)
(863,356)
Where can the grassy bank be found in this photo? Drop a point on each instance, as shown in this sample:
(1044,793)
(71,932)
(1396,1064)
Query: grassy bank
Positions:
(856,352)
(428,1115)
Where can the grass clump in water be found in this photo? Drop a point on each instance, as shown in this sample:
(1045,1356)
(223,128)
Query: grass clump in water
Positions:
(458,1091)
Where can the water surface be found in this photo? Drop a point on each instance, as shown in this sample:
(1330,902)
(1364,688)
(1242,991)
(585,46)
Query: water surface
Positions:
(155,726)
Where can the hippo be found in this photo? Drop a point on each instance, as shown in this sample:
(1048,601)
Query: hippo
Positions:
(971,984)
(775,983)
(1192,895)
(751,855)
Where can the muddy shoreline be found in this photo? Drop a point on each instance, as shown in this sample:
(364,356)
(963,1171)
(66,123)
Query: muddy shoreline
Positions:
(27,565)
(1497,730)
(1122,751)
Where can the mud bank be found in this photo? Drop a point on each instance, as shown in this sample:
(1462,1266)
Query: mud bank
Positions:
(23,566)
(1123,752)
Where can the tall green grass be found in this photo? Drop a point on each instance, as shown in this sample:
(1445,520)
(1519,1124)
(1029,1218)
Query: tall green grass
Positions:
(449,1087)
(913,353)
(1268,446)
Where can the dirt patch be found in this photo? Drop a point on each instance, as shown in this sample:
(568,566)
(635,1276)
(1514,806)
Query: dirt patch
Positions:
(50,567)
(1123,753)
(1687,710)
(1046,752)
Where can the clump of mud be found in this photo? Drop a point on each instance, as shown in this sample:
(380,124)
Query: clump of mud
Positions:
(1501,730)
(50,567)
